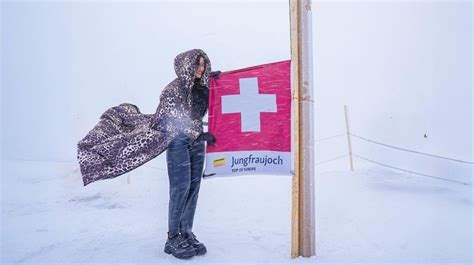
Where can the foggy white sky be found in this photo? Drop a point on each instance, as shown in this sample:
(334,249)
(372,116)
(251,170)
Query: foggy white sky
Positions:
(404,68)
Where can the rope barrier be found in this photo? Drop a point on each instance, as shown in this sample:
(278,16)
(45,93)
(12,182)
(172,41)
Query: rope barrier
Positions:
(330,137)
(40,160)
(157,168)
(416,173)
(332,159)
(412,151)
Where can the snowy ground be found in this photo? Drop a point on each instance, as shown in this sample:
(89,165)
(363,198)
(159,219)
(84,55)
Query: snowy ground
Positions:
(370,216)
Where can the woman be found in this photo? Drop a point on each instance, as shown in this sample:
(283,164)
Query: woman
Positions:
(125,139)
(185,153)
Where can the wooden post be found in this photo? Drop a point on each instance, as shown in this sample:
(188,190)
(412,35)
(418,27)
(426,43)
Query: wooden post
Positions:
(303,241)
(348,137)
(295,251)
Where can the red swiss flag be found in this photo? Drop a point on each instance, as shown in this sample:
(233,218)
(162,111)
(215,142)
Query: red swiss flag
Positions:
(250,109)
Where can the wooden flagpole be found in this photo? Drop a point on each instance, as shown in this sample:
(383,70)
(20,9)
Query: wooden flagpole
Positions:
(294,84)
(348,132)
(303,242)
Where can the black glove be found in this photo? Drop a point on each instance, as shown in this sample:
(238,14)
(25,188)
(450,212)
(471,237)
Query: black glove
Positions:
(208,137)
(215,74)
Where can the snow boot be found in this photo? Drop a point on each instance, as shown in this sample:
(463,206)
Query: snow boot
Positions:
(198,246)
(179,247)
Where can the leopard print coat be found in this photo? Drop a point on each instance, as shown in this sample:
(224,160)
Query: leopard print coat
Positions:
(124,138)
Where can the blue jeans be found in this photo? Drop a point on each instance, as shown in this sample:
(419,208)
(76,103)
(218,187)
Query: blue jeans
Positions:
(185,169)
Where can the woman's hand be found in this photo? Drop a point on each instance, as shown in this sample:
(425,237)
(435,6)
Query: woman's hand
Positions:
(215,74)
(208,137)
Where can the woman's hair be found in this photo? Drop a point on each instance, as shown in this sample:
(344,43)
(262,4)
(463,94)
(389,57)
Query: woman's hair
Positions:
(199,58)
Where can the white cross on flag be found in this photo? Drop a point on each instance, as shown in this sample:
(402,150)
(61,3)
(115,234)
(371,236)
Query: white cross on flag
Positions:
(250,115)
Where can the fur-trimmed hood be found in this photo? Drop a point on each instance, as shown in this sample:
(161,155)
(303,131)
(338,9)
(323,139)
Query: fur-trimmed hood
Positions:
(185,65)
